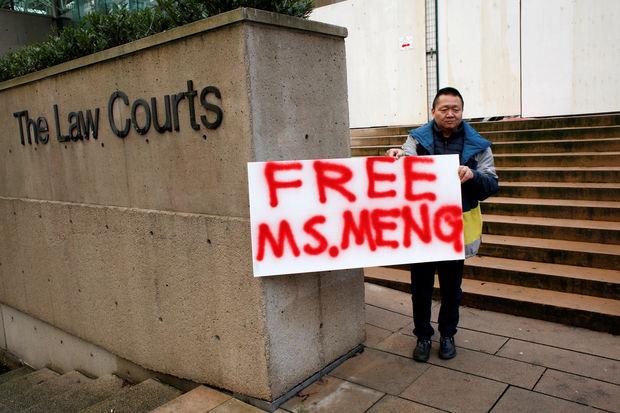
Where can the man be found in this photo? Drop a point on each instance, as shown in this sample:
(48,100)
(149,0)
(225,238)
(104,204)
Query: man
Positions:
(448,134)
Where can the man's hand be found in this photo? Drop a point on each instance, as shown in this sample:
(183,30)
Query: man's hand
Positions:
(395,153)
(465,174)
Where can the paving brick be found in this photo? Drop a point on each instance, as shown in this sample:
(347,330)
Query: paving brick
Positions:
(381,371)
(527,401)
(386,319)
(231,406)
(454,391)
(375,335)
(493,367)
(80,397)
(564,360)
(478,341)
(143,397)
(398,343)
(473,340)
(199,400)
(391,404)
(543,332)
(331,394)
(389,299)
(580,389)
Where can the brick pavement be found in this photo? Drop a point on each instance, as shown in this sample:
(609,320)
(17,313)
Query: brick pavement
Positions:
(504,364)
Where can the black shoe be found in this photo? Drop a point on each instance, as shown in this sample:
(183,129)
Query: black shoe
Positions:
(447,350)
(422,350)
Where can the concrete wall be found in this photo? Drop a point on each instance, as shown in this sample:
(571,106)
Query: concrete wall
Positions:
(19,29)
(141,245)
(571,55)
(387,85)
(478,43)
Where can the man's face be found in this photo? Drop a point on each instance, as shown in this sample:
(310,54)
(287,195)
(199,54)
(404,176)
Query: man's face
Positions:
(448,112)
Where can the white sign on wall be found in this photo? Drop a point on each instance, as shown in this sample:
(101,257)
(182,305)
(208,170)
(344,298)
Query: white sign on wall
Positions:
(318,215)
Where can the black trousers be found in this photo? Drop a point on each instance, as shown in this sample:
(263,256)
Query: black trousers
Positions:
(422,280)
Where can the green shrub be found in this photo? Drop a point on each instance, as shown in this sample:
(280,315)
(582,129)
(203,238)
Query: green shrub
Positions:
(102,30)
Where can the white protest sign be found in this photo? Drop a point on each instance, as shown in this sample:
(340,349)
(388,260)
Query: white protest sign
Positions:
(319,215)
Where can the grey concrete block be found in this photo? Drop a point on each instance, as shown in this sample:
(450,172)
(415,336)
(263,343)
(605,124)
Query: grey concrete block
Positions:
(127,243)
(526,401)
(580,389)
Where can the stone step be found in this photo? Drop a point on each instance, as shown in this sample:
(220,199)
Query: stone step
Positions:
(15,373)
(553,208)
(79,397)
(573,279)
(15,388)
(596,132)
(389,140)
(557,277)
(578,159)
(606,232)
(561,190)
(381,143)
(554,146)
(611,119)
(43,392)
(585,254)
(595,313)
(371,150)
(141,398)
(559,174)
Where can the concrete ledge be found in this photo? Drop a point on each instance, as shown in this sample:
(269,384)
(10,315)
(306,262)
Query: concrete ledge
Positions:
(201,26)
(142,245)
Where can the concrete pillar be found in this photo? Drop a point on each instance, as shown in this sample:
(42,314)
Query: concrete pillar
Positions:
(141,244)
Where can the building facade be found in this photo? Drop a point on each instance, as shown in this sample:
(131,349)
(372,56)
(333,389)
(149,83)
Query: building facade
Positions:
(508,57)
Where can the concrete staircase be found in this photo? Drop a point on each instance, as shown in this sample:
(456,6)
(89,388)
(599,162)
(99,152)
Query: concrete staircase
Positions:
(46,391)
(551,243)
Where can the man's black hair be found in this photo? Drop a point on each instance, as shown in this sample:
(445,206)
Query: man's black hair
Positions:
(448,91)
